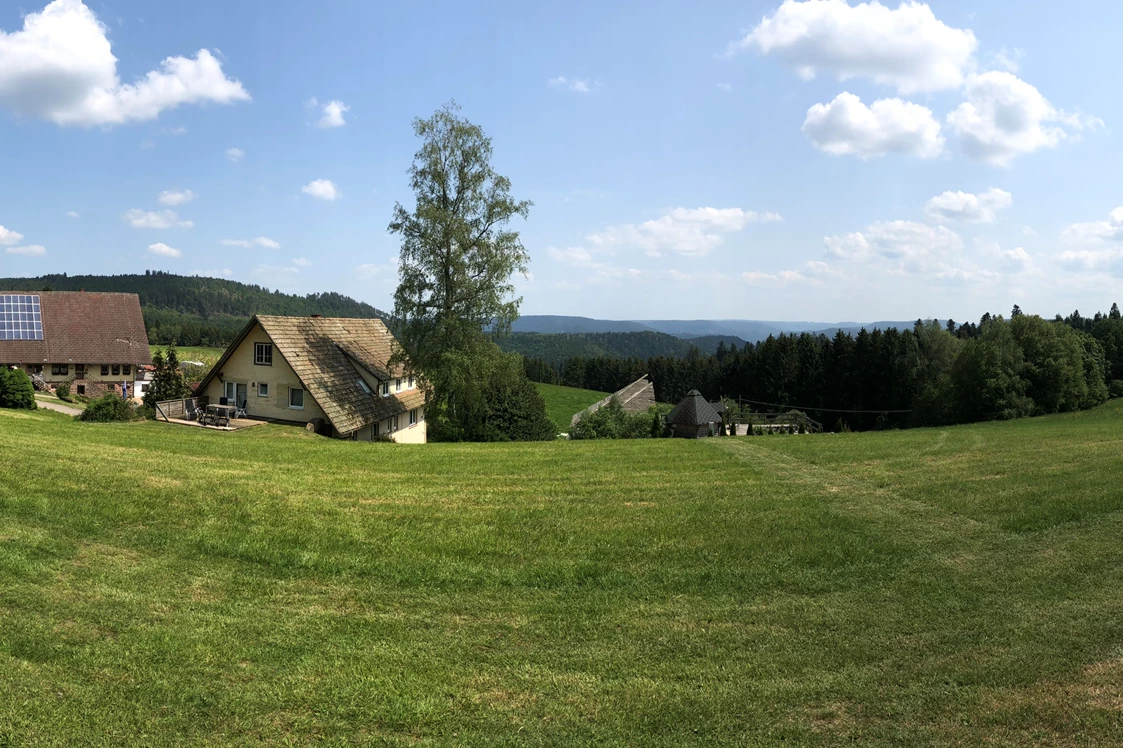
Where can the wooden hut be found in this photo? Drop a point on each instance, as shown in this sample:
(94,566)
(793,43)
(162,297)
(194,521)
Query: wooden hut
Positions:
(694,417)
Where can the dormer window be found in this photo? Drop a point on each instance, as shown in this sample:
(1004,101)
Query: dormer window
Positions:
(364,386)
(386,389)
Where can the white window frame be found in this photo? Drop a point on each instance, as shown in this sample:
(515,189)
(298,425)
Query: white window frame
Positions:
(302,394)
(413,417)
(386,388)
(364,386)
(398,385)
(260,360)
(393,424)
(263,389)
(412,384)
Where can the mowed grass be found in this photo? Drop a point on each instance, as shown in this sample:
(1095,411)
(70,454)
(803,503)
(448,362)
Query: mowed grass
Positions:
(562,403)
(163,585)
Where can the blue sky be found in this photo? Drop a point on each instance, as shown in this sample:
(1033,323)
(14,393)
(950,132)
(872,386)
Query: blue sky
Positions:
(811,159)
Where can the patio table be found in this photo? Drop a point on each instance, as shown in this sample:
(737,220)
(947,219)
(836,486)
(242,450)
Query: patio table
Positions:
(216,414)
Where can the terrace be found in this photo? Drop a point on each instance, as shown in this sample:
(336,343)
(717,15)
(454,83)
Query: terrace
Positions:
(190,411)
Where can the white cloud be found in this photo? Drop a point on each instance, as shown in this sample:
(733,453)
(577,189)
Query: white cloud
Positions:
(322,189)
(964,206)
(147,219)
(176,197)
(234,154)
(333,114)
(7,236)
(1095,232)
(224,273)
(811,274)
(904,244)
(71,214)
(727,87)
(159,248)
(1004,117)
(31,250)
(576,85)
(687,231)
(260,241)
(908,48)
(367,271)
(847,126)
(301,262)
(1007,60)
(60,67)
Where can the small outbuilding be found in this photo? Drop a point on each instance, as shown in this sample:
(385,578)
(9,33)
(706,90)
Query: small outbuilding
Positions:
(695,418)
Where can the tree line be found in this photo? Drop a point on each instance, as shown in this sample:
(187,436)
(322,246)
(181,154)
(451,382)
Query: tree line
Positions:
(929,375)
(560,346)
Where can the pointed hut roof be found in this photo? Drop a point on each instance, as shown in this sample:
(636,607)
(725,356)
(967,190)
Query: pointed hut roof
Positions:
(693,411)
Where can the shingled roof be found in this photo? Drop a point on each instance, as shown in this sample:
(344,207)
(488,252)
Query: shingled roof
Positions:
(694,410)
(326,353)
(637,397)
(83,328)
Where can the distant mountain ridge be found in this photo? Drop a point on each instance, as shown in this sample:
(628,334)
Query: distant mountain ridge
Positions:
(752,331)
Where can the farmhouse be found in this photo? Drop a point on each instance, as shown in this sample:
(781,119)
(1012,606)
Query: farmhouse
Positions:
(94,342)
(330,372)
(637,397)
(695,418)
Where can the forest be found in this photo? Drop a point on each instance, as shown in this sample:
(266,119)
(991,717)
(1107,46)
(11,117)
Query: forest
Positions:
(559,347)
(929,375)
(196,310)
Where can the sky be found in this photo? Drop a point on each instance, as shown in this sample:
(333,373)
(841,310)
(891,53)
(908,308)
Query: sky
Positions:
(807,159)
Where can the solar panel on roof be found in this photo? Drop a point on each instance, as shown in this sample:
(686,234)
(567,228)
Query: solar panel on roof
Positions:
(20,317)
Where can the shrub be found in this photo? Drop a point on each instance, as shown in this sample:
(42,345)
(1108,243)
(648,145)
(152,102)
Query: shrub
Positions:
(62,391)
(16,390)
(1115,389)
(613,422)
(108,408)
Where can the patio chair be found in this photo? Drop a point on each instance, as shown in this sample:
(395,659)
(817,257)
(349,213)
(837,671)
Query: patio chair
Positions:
(190,411)
(240,411)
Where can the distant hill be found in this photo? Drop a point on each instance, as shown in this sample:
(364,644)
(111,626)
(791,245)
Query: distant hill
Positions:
(557,347)
(193,310)
(753,331)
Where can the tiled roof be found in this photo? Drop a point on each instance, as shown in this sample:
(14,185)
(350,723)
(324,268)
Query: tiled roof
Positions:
(83,328)
(693,411)
(637,396)
(324,352)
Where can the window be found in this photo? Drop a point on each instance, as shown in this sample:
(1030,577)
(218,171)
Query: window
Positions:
(364,386)
(81,389)
(262,389)
(35,369)
(398,385)
(385,389)
(393,423)
(126,369)
(296,398)
(116,370)
(411,381)
(80,370)
(413,417)
(105,370)
(60,370)
(375,428)
(263,354)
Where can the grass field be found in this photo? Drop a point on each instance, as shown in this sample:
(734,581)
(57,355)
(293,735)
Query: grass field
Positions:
(562,403)
(193,353)
(164,585)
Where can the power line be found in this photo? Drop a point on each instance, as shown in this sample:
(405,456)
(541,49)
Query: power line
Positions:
(821,410)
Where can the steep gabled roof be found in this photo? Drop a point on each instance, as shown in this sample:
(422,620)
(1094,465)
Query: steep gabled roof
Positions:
(83,328)
(625,395)
(693,411)
(325,353)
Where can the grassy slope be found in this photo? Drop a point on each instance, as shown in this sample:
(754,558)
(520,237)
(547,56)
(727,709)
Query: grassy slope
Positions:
(164,585)
(193,353)
(562,403)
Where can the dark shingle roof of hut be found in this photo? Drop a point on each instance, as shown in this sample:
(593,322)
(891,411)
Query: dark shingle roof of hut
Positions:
(693,411)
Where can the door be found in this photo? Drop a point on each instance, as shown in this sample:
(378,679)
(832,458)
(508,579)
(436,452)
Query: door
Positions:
(236,393)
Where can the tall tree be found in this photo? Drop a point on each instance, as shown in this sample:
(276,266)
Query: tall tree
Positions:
(455,268)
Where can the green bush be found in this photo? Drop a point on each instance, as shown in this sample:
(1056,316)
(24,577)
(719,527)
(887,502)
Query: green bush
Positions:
(16,390)
(62,391)
(108,408)
(613,422)
(1115,389)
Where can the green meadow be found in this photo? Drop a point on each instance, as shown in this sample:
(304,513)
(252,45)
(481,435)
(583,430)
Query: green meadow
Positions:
(162,585)
(562,403)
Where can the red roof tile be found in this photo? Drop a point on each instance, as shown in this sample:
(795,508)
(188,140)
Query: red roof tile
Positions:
(80,327)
